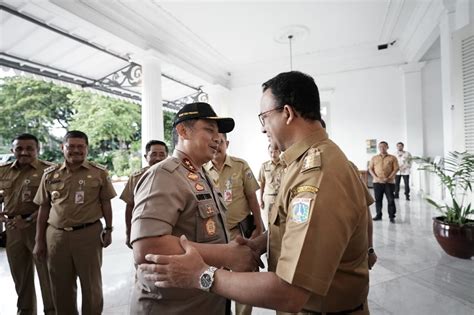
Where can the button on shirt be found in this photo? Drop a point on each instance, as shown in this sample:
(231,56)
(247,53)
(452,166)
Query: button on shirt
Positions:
(383,166)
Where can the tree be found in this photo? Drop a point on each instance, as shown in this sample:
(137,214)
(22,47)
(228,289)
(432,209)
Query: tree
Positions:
(33,106)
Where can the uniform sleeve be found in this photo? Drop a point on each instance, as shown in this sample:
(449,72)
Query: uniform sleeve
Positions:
(319,226)
(158,204)
(127,192)
(261,175)
(250,183)
(107,190)
(42,196)
(395,164)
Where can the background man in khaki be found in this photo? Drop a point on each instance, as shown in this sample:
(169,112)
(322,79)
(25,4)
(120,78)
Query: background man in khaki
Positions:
(270,178)
(175,198)
(236,182)
(383,168)
(72,199)
(19,182)
(321,211)
(155,151)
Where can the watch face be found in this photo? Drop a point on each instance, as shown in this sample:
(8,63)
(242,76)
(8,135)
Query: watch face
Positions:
(206,281)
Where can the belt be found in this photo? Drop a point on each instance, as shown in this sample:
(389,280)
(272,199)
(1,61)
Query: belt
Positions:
(358,308)
(23,216)
(76,227)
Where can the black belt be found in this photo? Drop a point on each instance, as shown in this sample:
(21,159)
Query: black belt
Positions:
(358,308)
(76,227)
(23,216)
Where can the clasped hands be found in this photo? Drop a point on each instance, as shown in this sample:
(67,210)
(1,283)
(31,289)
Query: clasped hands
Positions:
(16,223)
(184,270)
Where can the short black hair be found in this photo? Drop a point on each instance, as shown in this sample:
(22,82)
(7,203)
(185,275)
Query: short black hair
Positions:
(76,134)
(297,90)
(155,142)
(26,136)
(400,143)
(384,142)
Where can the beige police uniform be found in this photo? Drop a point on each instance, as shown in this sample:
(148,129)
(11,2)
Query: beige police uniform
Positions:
(174,198)
(19,187)
(128,191)
(321,212)
(234,181)
(73,241)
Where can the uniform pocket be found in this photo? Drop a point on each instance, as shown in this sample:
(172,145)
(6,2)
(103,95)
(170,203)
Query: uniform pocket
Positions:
(207,222)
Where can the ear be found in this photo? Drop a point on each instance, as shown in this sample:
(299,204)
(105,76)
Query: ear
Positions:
(183,132)
(227,143)
(62,147)
(290,114)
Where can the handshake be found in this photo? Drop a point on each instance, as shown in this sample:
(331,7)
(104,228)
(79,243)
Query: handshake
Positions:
(183,271)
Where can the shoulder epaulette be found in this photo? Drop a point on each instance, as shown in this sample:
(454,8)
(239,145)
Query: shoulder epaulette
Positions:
(170,164)
(102,167)
(50,169)
(47,163)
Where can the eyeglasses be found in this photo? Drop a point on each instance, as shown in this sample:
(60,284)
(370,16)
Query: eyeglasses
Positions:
(263,115)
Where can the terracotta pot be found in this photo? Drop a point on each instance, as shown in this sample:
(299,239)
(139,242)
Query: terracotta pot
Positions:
(457,241)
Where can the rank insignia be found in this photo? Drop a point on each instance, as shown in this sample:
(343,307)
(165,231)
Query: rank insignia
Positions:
(199,187)
(300,210)
(188,164)
(193,176)
(210,227)
(209,210)
(312,160)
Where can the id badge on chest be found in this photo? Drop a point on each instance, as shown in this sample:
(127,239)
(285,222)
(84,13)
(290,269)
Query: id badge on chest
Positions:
(228,190)
(79,196)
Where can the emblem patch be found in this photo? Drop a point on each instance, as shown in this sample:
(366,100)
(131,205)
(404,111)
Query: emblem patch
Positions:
(300,210)
(199,187)
(188,164)
(193,176)
(304,188)
(210,227)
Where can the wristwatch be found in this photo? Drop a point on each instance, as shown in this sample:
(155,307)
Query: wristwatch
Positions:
(207,279)
(371,251)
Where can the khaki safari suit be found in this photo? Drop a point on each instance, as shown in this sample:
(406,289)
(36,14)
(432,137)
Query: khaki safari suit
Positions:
(383,166)
(19,187)
(128,192)
(174,198)
(73,240)
(321,213)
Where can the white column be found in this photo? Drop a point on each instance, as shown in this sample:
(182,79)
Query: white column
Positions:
(446,27)
(152,101)
(414,119)
(218,97)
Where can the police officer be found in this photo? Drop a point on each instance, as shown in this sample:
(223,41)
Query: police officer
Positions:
(155,151)
(321,211)
(176,197)
(19,181)
(236,182)
(73,197)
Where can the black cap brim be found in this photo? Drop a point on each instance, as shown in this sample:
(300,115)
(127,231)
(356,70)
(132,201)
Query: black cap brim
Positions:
(224,124)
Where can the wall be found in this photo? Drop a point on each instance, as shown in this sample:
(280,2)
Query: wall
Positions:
(364,104)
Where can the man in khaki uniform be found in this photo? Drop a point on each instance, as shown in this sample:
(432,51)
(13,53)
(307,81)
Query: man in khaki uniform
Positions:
(73,197)
(155,151)
(383,167)
(175,198)
(236,182)
(321,212)
(19,182)
(270,178)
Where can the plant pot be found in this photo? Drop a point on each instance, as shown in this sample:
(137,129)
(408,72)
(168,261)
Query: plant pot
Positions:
(455,240)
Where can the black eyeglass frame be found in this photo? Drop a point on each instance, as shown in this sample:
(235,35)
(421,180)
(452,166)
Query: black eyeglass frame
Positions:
(261,116)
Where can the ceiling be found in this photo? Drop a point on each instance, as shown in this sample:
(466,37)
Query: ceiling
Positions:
(221,42)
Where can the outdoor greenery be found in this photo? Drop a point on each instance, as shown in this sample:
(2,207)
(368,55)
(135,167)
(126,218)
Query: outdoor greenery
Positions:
(48,110)
(456,173)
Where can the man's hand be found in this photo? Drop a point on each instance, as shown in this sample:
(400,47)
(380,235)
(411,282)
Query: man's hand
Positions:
(240,257)
(17,223)
(258,245)
(372,260)
(106,238)
(39,251)
(176,271)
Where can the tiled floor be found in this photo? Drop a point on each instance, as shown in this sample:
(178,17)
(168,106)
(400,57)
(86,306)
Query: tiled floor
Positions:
(413,275)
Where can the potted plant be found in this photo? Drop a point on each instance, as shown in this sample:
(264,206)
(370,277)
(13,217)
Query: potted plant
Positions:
(454,229)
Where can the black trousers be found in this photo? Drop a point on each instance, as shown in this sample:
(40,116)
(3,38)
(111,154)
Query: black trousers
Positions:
(379,191)
(406,180)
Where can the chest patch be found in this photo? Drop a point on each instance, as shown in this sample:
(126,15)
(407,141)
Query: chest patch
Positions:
(300,210)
